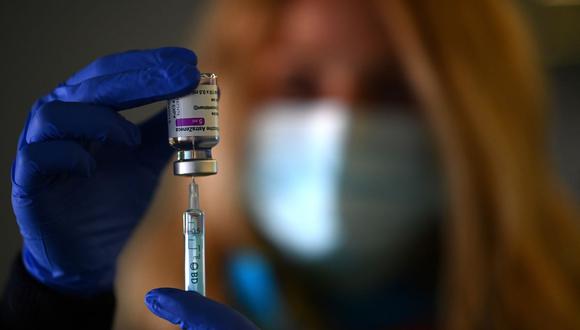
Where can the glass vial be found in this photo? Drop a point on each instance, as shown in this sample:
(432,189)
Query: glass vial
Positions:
(194,129)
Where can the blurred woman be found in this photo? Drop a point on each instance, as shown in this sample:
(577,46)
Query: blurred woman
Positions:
(510,242)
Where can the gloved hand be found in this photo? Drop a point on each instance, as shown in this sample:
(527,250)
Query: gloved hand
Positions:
(192,311)
(84,175)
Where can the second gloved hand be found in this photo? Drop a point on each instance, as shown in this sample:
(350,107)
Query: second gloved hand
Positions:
(192,311)
(83,175)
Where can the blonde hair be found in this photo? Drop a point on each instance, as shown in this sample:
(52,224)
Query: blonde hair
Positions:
(512,241)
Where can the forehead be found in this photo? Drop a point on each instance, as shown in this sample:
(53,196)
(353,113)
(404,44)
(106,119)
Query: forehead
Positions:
(330,29)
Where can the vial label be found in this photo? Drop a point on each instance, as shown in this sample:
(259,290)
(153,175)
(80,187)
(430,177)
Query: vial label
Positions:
(195,114)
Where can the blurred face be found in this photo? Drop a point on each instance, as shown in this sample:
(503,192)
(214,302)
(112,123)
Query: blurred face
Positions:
(339,169)
(329,50)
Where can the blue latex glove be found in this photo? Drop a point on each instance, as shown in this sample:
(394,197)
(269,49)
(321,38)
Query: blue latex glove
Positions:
(192,311)
(83,175)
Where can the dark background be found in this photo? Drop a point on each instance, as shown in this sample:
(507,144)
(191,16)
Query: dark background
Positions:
(43,42)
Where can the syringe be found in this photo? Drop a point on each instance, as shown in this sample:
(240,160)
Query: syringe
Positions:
(193,129)
(194,233)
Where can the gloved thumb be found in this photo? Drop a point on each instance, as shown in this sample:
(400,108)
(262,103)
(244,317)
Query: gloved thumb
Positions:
(192,311)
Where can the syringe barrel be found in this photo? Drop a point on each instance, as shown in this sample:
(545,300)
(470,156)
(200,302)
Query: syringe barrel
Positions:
(194,235)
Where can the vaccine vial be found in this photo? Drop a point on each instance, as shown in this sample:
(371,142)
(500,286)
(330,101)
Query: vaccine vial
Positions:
(193,128)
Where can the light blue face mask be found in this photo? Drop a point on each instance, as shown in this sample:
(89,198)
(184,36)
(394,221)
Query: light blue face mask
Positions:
(340,191)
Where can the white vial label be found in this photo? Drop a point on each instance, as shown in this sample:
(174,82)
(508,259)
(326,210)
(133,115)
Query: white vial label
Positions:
(195,114)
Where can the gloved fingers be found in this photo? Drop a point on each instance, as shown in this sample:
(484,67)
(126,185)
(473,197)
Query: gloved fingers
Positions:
(191,310)
(38,162)
(133,60)
(131,88)
(78,121)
